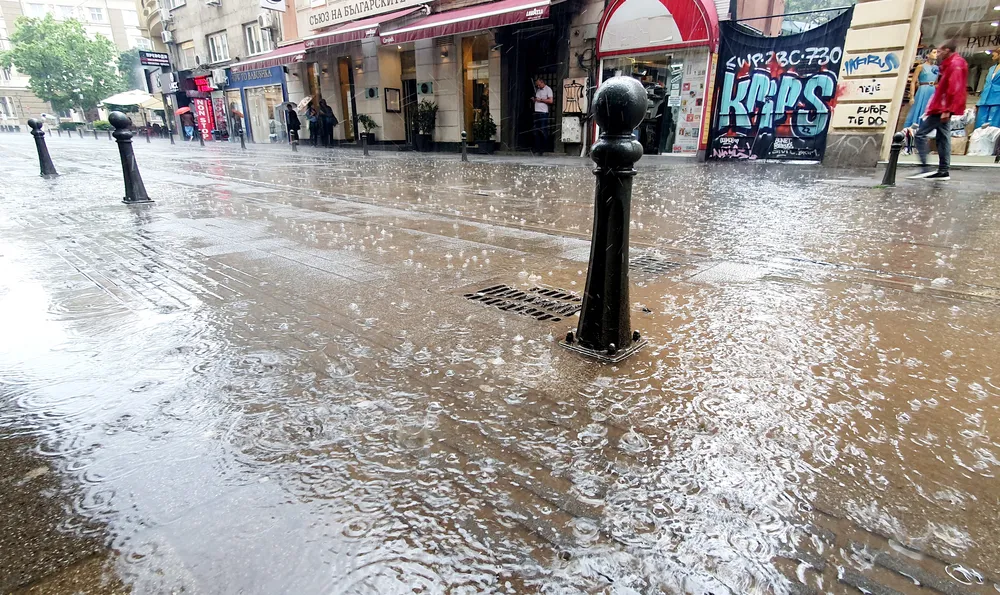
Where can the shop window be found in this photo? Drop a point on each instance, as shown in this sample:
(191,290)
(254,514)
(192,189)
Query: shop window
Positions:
(7,107)
(476,77)
(218,47)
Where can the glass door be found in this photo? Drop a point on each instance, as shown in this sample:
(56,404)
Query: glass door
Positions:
(350,118)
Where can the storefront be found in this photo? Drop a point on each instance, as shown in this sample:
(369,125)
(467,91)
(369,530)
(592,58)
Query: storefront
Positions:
(668,45)
(259,87)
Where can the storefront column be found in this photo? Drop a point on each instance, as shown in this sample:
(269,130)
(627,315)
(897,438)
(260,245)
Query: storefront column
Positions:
(439,63)
(880,47)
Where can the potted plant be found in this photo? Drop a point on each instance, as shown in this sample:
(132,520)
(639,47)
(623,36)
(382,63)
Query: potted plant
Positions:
(426,121)
(483,130)
(369,124)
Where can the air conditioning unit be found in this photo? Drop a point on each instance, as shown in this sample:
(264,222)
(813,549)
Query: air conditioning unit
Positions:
(371,93)
(425,88)
(219,78)
(168,37)
(166,16)
(213,2)
(266,20)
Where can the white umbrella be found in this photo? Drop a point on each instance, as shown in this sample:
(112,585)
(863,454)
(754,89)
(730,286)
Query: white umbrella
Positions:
(304,103)
(135,97)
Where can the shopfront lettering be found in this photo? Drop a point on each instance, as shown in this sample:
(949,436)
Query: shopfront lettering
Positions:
(983,41)
(778,103)
(251,75)
(350,10)
(881,64)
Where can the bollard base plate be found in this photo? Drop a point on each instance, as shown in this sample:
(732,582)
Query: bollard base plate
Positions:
(144,201)
(603,356)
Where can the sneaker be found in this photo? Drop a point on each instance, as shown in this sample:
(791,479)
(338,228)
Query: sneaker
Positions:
(939,176)
(923,174)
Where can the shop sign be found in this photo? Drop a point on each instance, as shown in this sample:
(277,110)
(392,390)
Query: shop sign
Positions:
(203,116)
(154,58)
(340,11)
(168,82)
(251,75)
(575,95)
(276,5)
(775,95)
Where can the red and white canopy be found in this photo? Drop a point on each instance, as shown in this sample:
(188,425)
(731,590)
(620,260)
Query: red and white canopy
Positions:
(636,26)
(356,30)
(473,18)
(288,54)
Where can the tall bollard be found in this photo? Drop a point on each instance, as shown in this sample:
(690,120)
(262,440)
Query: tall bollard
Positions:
(889,179)
(605,330)
(465,155)
(364,143)
(135,190)
(80,130)
(44,161)
(109,135)
(243,140)
(95,134)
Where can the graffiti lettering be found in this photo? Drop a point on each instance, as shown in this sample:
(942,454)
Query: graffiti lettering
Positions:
(887,63)
(812,56)
(758,101)
(872,115)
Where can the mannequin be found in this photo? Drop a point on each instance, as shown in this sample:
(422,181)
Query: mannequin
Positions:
(989,99)
(922,87)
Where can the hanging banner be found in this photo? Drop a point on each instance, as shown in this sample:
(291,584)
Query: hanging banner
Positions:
(775,95)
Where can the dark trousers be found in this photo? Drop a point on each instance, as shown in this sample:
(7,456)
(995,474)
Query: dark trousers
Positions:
(942,138)
(327,135)
(541,139)
(314,129)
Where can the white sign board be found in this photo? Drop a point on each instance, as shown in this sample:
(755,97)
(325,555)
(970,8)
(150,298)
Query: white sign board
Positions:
(342,11)
(278,5)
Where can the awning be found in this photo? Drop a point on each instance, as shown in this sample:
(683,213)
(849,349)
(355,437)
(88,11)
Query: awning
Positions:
(356,30)
(473,18)
(288,54)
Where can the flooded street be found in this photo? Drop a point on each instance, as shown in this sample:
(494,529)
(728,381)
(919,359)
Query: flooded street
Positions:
(272,380)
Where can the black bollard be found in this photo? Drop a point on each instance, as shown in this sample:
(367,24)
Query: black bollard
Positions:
(135,190)
(364,143)
(889,179)
(170,133)
(95,134)
(201,137)
(243,140)
(80,130)
(109,135)
(147,135)
(605,331)
(44,161)
(59,131)
(465,155)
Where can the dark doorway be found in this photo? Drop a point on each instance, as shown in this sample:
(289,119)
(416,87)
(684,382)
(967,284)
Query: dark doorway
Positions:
(410,111)
(529,53)
(347,98)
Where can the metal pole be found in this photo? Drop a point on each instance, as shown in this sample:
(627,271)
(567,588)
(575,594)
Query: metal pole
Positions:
(201,137)
(605,329)
(889,179)
(147,134)
(44,161)
(243,141)
(95,134)
(109,135)
(465,156)
(59,131)
(364,143)
(135,190)
(80,130)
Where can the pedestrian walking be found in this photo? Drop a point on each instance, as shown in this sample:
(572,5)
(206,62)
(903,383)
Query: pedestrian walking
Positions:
(293,124)
(187,123)
(543,102)
(312,116)
(327,121)
(948,99)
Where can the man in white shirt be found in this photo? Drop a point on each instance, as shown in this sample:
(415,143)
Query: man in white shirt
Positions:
(543,103)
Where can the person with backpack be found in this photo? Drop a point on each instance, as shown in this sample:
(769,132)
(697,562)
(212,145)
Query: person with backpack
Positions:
(327,122)
(292,120)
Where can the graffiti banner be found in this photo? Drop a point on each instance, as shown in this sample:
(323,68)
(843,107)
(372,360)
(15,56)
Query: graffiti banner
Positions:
(774,95)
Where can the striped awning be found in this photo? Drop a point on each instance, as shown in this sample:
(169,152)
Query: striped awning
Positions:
(357,30)
(288,54)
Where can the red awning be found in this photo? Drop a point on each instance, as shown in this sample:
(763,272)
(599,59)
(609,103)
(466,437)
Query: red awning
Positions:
(473,18)
(288,54)
(356,30)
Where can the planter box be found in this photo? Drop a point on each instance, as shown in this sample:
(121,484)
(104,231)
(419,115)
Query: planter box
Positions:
(486,147)
(424,142)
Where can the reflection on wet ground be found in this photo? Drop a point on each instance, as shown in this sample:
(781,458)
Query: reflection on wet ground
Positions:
(272,381)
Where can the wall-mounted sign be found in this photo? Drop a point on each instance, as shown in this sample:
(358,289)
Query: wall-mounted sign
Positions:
(575,96)
(341,11)
(154,58)
(278,5)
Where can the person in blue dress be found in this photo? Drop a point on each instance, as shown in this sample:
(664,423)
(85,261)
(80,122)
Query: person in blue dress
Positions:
(922,88)
(988,106)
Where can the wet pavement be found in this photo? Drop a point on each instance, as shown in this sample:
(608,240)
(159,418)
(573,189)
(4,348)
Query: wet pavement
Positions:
(273,380)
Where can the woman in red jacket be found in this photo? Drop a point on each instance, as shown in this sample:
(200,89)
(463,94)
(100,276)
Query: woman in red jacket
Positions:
(948,99)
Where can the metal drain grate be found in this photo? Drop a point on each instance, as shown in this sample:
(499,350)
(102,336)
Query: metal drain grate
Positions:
(653,264)
(541,303)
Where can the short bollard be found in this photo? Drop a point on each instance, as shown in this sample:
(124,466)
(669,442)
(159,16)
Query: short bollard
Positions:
(135,190)
(59,131)
(44,161)
(170,133)
(604,331)
(80,130)
(147,135)
(465,155)
(889,179)
(95,134)
(109,135)
(201,138)
(364,143)
(243,140)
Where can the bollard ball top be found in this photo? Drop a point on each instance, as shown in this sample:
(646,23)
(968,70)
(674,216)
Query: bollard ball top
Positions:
(898,137)
(119,120)
(620,105)
(35,124)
